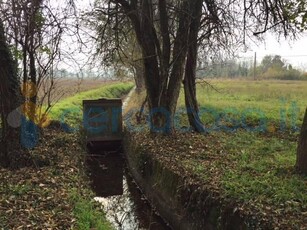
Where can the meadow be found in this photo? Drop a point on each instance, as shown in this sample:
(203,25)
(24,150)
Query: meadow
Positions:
(248,157)
(67,87)
(255,166)
(278,104)
(69,110)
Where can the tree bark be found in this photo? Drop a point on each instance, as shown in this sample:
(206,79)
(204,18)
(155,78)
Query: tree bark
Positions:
(164,60)
(9,89)
(179,59)
(139,76)
(301,157)
(190,71)
(33,31)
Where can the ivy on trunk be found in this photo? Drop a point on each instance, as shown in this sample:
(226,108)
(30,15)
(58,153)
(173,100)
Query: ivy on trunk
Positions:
(301,159)
(9,97)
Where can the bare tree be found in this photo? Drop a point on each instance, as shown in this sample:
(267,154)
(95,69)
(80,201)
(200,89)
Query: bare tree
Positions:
(35,29)
(123,54)
(170,33)
(160,39)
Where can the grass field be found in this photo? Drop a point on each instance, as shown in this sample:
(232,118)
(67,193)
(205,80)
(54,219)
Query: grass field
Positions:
(257,168)
(250,166)
(279,104)
(69,110)
(67,87)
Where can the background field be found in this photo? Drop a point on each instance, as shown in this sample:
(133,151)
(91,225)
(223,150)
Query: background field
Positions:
(69,110)
(67,87)
(280,103)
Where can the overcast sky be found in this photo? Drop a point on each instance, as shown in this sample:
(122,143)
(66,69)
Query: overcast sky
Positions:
(295,52)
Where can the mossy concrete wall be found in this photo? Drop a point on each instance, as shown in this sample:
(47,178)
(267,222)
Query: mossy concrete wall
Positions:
(182,204)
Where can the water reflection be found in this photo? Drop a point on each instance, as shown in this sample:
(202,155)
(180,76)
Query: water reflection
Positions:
(123,202)
(106,173)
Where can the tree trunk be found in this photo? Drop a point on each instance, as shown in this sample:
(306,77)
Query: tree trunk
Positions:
(190,71)
(138,69)
(139,76)
(9,88)
(33,30)
(301,157)
(163,76)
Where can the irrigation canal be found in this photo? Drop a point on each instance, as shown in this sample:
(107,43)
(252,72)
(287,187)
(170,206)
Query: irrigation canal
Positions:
(125,206)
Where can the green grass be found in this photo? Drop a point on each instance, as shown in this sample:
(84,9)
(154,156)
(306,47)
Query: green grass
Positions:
(69,110)
(254,166)
(262,170)
(281,103)
(87,214)
(261,165)
(249,162)
(16,189)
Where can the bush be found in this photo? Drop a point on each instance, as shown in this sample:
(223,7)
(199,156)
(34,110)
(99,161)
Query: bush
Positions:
(284,74)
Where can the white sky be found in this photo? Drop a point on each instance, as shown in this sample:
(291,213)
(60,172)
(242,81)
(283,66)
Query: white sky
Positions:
(295,52)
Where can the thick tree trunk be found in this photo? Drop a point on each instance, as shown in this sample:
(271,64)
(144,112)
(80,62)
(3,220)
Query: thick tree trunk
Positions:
(139,77)
(179,59)
(8,99)
(138,68)
(33,98)
(301,158)
(190,71)
(163,76)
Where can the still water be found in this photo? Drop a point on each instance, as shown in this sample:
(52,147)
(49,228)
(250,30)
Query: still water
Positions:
(125,206)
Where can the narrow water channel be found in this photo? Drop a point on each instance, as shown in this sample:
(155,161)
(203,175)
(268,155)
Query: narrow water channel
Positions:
(125,206)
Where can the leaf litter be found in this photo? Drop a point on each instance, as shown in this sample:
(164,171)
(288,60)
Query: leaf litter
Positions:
(203,160)
(38,197)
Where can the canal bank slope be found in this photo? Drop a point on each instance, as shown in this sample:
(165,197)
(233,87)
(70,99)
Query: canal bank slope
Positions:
(182,200)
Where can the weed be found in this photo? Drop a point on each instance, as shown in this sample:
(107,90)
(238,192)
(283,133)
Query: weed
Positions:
(87,214)
(19,189)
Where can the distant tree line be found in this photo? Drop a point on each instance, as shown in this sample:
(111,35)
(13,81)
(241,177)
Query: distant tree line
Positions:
(274,67)
(271,67)
(224,69)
